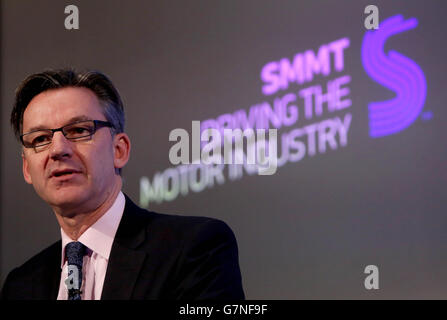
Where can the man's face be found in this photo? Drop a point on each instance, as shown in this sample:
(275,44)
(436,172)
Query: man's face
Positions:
(91,162)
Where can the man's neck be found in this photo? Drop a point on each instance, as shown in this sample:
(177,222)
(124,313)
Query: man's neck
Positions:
(75,225)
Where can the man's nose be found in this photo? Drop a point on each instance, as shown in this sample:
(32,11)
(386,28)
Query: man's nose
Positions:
(60,146)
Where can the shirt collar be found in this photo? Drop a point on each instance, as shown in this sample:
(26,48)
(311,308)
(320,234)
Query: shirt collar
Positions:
(99,236)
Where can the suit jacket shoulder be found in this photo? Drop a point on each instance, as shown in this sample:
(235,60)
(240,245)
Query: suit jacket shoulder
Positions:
(172,257)
(38,278)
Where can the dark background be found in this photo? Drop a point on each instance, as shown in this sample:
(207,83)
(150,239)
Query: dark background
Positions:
(309,230)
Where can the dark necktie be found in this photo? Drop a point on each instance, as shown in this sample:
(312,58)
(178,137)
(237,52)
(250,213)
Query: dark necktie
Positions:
(74,251)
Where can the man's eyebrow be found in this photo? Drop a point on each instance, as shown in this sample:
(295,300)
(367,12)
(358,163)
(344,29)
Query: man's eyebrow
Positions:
(71,120)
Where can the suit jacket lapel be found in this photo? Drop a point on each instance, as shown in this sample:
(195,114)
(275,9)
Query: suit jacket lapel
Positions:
(46,277)
(125,262)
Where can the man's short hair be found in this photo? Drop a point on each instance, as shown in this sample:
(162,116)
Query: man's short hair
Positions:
(99,83)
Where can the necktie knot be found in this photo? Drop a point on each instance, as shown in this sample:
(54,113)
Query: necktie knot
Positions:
(74,252)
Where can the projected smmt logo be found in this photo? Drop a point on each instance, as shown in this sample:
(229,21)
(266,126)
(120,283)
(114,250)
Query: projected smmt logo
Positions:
(397,73)
(306,96)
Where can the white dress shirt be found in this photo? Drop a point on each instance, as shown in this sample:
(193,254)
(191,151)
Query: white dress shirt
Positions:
(98,239)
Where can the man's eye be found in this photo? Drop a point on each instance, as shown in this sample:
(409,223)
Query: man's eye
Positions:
(41,139)
(78,131)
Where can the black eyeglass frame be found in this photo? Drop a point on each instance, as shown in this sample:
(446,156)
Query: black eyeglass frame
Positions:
(97,125)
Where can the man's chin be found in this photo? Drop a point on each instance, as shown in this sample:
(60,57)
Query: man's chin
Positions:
(68,202)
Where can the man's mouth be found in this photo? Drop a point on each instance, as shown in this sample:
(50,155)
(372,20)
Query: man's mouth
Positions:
(63,173)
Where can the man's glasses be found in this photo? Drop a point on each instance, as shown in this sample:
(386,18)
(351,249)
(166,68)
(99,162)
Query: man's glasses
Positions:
(77,131)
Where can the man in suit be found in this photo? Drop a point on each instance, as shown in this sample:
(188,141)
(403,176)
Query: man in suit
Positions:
(71,126)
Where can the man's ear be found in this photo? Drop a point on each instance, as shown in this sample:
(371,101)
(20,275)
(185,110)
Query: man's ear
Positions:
(25,169)
(121,150)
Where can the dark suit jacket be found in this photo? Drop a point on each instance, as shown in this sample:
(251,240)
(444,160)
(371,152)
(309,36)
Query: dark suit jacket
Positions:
(153,256)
